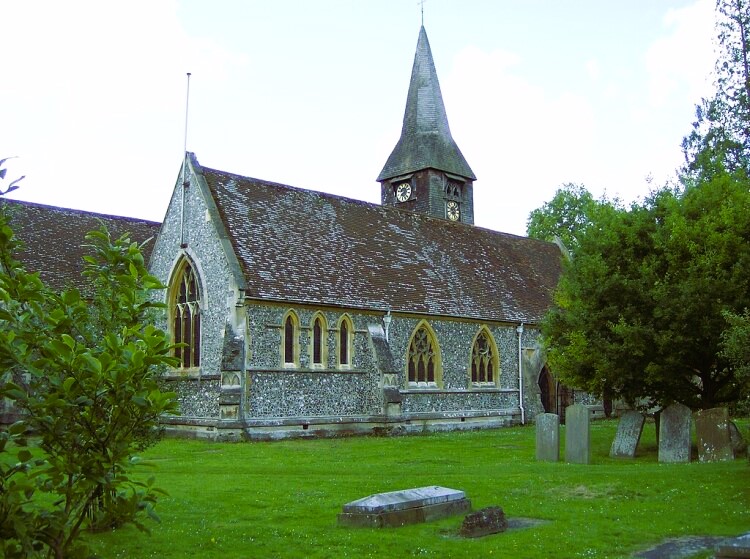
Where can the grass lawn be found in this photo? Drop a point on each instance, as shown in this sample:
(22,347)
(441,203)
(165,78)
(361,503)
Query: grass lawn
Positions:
(281,499)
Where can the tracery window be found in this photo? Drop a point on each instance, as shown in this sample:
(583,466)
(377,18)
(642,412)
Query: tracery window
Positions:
(186,318)
(344,353)
(484,360)
(423,359)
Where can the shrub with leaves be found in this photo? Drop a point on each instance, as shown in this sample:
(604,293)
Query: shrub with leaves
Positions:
(83,372)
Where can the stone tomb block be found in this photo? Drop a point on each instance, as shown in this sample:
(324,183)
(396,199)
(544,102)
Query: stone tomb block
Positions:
(409,506)
(577,434)
(734,548)
(490,520)
(547,437)
(628,435)
(674,434)
(712,432)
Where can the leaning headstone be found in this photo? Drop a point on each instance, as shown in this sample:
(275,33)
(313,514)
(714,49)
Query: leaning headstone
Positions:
(712,432)
(548,437)
(628,434)
(674,434)
(577,434)
(490,520)
(739,446)
(399,508)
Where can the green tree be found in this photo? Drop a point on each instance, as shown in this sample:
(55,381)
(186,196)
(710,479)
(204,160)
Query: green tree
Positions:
(639,310)
(84,374)
(570,213)
(736,349)
(720,139)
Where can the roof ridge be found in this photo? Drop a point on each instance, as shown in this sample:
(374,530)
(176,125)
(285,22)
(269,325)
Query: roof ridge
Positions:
(374,205)
(78,211)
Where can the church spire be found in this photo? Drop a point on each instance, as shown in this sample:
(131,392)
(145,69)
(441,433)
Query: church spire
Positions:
(426,172)
(426,140)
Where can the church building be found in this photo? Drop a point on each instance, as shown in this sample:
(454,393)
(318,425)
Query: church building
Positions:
(299,313)
(304,313)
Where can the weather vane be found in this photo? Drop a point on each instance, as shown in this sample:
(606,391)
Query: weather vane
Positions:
(421,5)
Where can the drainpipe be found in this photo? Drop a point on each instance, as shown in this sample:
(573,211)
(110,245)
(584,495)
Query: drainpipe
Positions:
(519,331)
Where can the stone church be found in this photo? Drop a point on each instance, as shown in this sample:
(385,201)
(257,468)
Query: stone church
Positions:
(300,313)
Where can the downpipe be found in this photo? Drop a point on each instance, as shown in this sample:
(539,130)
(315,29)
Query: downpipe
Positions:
(519,331)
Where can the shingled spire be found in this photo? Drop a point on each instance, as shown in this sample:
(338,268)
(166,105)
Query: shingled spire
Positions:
(426,144)
(426,139)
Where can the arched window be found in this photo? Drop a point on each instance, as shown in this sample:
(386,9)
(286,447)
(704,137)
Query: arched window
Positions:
(186,317)
(484,360)
(319,341)
(423,359)
(344,349)
(290,340)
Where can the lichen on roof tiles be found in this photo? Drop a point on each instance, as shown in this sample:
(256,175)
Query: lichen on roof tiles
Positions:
(304,246)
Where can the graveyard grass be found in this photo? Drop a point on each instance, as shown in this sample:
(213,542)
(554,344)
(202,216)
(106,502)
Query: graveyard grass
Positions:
(281,499)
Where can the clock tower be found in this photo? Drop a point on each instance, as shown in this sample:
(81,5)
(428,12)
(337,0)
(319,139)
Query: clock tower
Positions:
(426,172)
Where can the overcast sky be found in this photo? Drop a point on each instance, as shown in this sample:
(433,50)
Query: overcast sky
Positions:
(312,94)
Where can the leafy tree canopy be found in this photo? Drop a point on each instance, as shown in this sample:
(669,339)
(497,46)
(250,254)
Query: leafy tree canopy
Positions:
(568,216)
(720,139)
(640,308)
(84,374)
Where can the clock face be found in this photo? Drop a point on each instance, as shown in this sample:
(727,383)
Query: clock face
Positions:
(452,210)
(403,192)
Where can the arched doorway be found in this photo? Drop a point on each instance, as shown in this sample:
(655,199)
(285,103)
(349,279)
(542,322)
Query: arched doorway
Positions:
(555,395)
(548,391)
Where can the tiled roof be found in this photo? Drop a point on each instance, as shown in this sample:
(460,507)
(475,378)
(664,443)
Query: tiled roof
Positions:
(53,239)
(308,247)
(426,140)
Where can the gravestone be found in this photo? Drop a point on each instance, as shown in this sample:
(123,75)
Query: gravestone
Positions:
(712,432)
(577,434)
(628,434)
(489,520)
(674,434)
(409,506)
(548,437)
(739,446)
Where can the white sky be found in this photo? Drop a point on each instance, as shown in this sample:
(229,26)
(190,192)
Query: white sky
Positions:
(312,94)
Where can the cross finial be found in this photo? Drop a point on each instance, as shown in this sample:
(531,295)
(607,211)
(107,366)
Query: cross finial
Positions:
(421,5)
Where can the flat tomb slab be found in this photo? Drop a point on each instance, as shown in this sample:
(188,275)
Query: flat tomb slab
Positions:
(408,506)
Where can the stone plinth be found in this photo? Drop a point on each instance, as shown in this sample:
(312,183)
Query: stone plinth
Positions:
(409,506)
(712,433)
(577,434)
(674,434)
(628,435)
(547,437)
